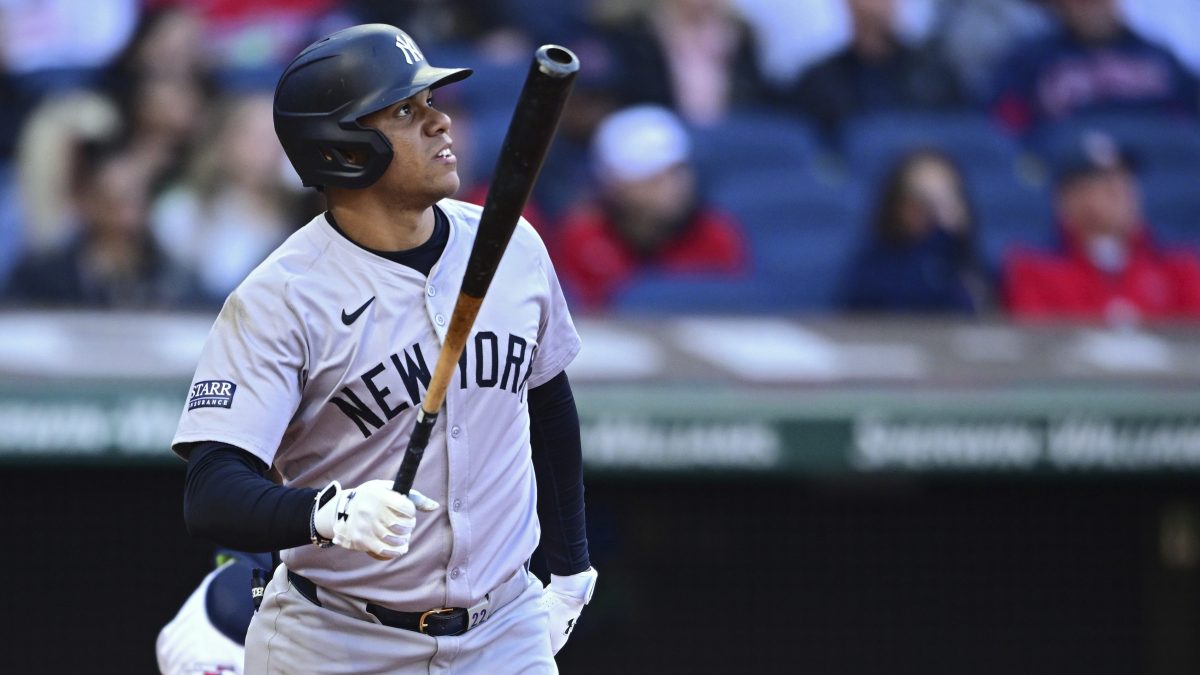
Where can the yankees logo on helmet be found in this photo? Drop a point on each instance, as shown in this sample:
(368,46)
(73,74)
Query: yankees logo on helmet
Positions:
(411,52)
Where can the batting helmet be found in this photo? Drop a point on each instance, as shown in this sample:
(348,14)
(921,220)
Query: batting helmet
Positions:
(335,82)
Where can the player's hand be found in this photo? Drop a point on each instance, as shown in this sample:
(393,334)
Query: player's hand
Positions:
(563,599)
(372,518)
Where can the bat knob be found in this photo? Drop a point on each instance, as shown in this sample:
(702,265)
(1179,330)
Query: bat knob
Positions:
(556,61)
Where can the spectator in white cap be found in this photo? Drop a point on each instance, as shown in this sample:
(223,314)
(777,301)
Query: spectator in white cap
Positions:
(648,217)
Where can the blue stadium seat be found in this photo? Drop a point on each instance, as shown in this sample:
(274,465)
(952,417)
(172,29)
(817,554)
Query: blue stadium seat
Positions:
(1008,213)
(12,222)
(800,233)
(1158,142)
(699,295)
(873,143)
(1172,204)
(754,144)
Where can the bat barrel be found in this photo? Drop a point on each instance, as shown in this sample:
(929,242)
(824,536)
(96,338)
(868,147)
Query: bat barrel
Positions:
(526,142)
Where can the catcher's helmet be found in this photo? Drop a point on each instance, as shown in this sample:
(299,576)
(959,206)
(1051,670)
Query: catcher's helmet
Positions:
(336,81)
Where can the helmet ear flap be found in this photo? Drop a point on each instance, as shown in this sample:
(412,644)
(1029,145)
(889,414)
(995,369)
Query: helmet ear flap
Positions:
(331,158)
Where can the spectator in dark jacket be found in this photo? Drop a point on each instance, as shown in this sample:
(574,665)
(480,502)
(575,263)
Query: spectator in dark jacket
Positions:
(1093,63)
(1108,268)
(113,262)
(876,72)
(649,217)
(921,256)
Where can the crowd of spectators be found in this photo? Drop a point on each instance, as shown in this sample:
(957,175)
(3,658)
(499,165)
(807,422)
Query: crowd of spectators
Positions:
(888,156)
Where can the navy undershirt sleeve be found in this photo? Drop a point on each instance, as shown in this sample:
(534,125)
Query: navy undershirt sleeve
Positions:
(558,465)
(227,499)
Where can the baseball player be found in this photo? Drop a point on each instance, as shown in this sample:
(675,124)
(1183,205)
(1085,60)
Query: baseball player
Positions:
(208,634)
(314,370)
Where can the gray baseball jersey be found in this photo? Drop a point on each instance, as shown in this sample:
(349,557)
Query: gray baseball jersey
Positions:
(317,364)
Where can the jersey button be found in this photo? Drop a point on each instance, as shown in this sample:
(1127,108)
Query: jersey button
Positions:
(455,431)
(439,320)
(455,572)
(430,291)
(456,505)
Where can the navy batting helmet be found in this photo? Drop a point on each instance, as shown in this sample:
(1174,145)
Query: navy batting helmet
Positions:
(335,82)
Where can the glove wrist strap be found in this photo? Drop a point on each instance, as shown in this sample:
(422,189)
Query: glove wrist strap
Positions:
(580,586)
(320,500)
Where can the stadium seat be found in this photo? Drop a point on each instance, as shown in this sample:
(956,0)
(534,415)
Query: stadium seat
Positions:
(754,144)
(1158,142)
(12,233)
(1172,204)
(873,143)
(700,295)
(1009,212)
(800,232)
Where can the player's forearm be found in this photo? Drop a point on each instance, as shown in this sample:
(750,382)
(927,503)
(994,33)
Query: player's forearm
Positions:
(558,464)
(228,500)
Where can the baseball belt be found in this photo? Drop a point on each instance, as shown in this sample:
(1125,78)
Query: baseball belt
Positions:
(439,622)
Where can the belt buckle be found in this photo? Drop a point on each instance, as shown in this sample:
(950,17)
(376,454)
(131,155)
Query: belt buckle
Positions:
(421,625)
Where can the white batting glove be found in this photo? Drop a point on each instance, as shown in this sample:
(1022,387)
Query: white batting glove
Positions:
(372,518)
(564,598)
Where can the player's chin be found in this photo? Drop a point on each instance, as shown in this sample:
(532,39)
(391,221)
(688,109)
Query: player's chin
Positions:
(447,185)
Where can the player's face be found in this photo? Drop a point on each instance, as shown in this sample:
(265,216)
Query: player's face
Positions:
(423,168)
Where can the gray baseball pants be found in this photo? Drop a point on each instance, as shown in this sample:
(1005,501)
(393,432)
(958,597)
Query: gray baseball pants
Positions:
(290,635)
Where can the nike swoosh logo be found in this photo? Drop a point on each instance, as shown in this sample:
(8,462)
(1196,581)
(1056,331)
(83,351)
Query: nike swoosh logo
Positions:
(353,316)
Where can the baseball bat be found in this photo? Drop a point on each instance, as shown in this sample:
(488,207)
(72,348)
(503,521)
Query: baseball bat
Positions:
(534,121)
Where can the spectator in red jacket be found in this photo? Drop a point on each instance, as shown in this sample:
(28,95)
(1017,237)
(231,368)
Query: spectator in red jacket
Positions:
(1108,268)
(648,216)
